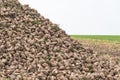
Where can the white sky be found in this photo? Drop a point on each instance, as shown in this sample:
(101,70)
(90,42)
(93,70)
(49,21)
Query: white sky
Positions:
(81,16)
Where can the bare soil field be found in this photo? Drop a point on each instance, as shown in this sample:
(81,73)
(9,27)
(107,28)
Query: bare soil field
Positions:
(102,47)
(106,49)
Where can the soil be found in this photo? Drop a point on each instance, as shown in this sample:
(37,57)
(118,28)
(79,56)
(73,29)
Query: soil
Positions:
(102,47)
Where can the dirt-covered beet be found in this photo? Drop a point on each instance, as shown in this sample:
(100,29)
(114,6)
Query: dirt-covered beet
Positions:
(34,48)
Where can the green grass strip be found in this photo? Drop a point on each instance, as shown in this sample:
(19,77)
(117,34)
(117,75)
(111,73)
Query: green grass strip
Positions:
(98,37)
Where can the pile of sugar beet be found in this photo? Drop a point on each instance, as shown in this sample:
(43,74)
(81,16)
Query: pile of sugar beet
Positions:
(34,48)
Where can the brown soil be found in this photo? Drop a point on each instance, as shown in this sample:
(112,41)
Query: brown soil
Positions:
(102,47)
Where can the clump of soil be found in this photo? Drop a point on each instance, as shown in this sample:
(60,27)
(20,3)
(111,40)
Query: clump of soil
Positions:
(34,48)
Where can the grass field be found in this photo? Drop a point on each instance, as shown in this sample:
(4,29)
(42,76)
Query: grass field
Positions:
(98,37)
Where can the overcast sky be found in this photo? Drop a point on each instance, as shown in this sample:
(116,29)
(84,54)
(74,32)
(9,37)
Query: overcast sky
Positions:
(100,17)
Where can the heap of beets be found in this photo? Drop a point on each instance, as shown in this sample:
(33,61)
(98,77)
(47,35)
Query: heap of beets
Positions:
(34,48)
